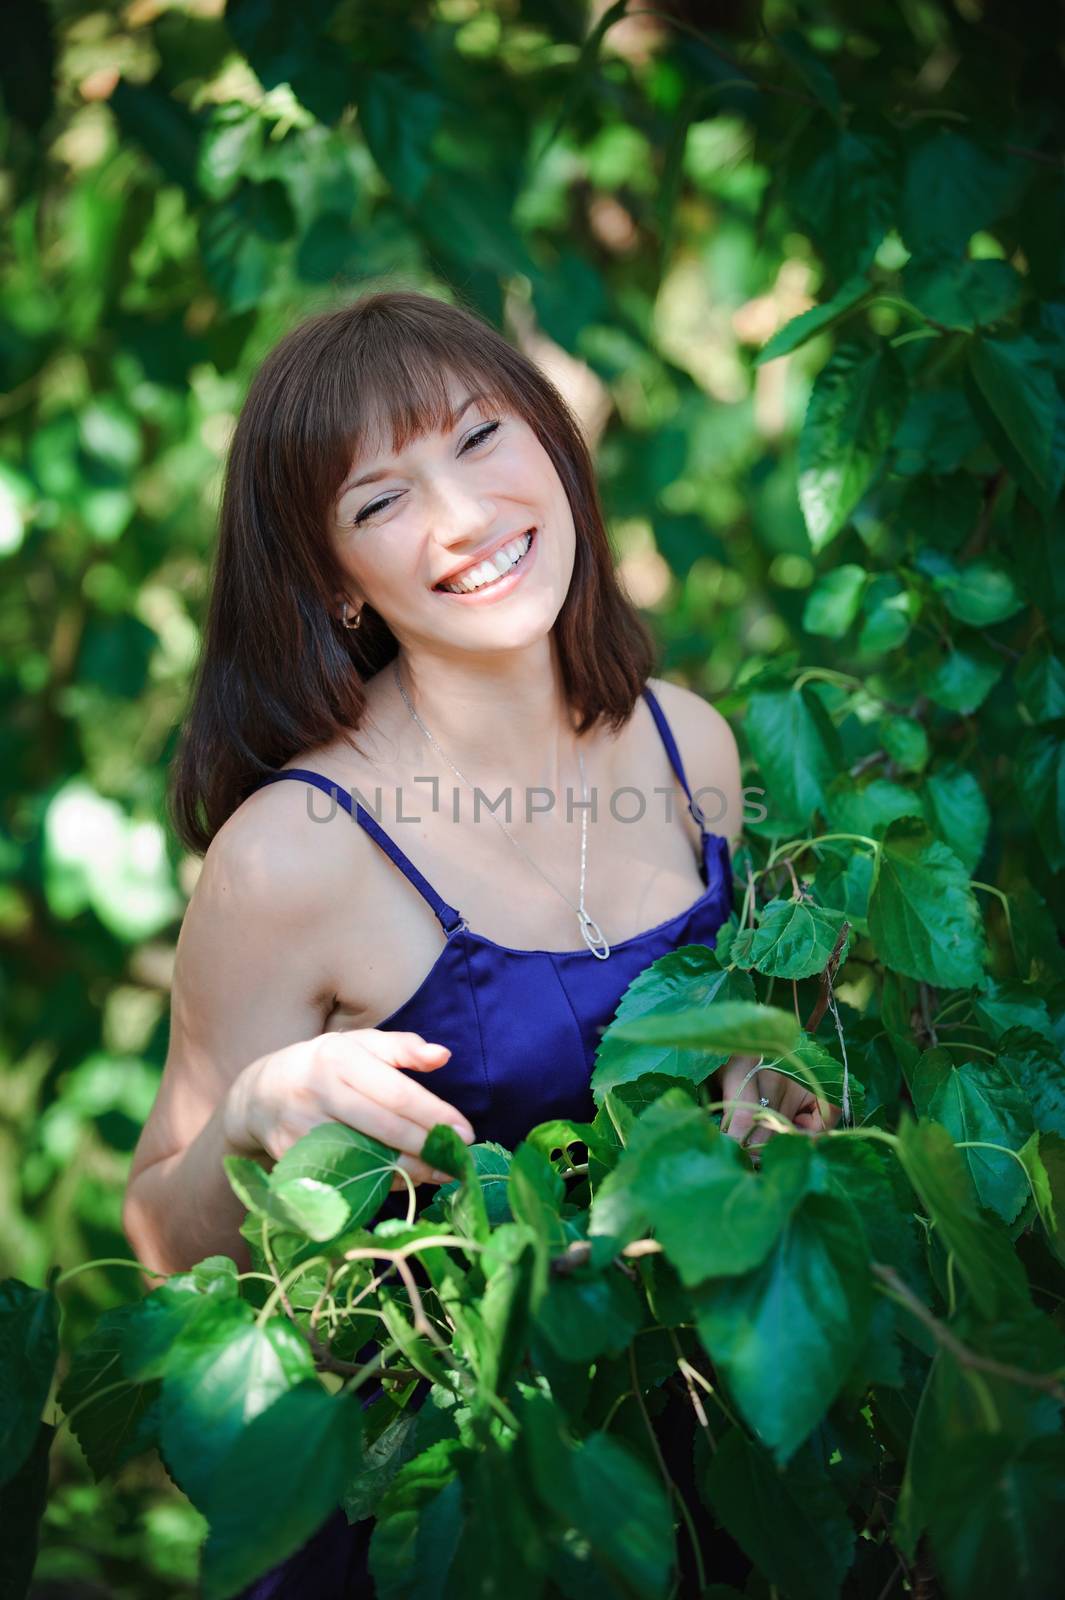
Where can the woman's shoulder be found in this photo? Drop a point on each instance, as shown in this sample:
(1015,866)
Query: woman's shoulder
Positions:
(691,710)
(284,846)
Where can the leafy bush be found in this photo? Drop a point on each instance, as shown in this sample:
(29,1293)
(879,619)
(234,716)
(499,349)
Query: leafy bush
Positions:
(875,1341)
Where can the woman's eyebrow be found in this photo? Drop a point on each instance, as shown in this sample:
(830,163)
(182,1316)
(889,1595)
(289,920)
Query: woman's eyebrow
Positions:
(382,472)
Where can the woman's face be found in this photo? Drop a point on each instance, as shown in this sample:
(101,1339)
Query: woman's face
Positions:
(448,503)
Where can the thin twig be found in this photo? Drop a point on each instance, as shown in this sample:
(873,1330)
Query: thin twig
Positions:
(965,1357)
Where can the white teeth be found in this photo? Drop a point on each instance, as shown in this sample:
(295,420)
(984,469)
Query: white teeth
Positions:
(489,570)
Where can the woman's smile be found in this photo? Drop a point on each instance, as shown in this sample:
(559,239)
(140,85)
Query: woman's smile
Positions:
(501,586)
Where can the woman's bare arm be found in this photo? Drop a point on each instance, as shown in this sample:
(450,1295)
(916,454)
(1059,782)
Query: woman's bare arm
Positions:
(246,983)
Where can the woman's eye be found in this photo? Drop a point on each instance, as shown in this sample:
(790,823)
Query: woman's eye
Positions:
(480,435)
(475,438)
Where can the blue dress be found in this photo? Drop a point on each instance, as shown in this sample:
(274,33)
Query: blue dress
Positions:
(522,1027)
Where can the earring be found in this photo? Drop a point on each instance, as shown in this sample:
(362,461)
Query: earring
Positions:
(358,617)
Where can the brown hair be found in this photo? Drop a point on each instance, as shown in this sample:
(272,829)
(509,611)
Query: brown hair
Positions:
(275,576)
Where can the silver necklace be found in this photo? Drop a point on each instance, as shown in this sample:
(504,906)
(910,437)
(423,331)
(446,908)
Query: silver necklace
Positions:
(590,930)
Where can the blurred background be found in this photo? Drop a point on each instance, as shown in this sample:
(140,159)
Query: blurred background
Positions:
(640,197)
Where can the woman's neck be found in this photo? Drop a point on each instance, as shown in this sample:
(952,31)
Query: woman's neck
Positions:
(506,722)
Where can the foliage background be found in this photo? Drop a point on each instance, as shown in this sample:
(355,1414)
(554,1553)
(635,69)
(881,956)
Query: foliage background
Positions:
(641,201)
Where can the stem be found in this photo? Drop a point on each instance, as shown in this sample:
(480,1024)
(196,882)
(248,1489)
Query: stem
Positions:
(899,1291)
(671,1487)
(106,1261)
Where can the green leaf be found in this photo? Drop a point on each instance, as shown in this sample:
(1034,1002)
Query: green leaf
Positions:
(686,978)
(952,188)
(1017,385)
(1040,681)
(846,300)
(398,117)
(978,1102)
(868,805)
(963,678)
(284,1474)
(980,593)
(678,1165)
(29,1348)
(844,189)
(1035,1063)
(815,1284)
(792,1525)
(23,1496)
(1039,768)
(418,1526)
(906,742)
(936,435)
(856,404)
(289,45)
(983,1252)
(610,1496)
(357,1167)
(960,293)
(444,1149)
(833,603)
(223,1372)
(793,939)
(923,916)
(239,239)
(797,748)
(117,1412)
(732,1025)
(166,130)
(890,609)
(382,1458)
(586,1314)
(940,511)
(812,68)
(842,881)
(955,807)
(997,1524)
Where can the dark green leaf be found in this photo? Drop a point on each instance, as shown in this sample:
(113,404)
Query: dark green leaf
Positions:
(982,1250)
(29,1346)
(284,1474)
(793,1526)
(816,1284)
(923,915)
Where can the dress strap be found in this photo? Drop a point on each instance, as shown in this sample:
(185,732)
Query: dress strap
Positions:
(674,754)
(449,918)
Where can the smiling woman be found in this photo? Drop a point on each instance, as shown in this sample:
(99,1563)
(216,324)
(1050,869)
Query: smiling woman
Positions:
(414,575)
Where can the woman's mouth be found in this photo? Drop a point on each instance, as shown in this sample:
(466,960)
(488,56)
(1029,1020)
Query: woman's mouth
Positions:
(487,581)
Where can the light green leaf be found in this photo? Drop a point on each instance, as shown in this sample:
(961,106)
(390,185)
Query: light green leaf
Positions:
(856,404)
(833,603)
(793,939)
(847,298)
(689,977)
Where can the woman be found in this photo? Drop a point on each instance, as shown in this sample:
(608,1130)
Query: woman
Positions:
(385,452)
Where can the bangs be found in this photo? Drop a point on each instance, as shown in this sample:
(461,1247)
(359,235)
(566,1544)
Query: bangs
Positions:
(393,389)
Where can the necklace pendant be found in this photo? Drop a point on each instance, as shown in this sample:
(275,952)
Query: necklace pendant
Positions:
(592,935)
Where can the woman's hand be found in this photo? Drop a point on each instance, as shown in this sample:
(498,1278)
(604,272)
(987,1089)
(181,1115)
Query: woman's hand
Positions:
(351,1077)
(791,1099)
